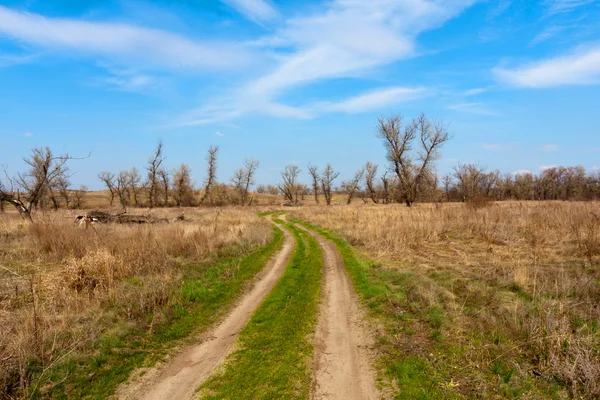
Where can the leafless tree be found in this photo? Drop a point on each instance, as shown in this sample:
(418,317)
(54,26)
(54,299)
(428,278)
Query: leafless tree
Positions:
(289,183)
(470,177)
(385,183)
(413,170)
(135,184)
(351,186)
(261,189)
(26,190)
(79,195)
(165,182)
(153,167)
(243,179)
(447,182)
(370,173)
(327,177)
(108,178)
(63,185)
(123,188)
(316,179)
(183,187)
(211,172)
(272,189)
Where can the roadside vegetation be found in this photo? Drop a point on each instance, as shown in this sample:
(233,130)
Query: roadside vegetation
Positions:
(272,358)
(79,309)
(501,301)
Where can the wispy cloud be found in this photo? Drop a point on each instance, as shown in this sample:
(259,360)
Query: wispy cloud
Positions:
(497,147)
(550,147)
(472,108)
(474,91)
(28,134)
(579,68)
(546,34)
(118,41)
(256,10)
(521,172)
(564,6)
(327,45)
(545,167)
(219,134)
(374,100)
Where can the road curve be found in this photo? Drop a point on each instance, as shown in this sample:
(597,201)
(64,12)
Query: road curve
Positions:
(181,376)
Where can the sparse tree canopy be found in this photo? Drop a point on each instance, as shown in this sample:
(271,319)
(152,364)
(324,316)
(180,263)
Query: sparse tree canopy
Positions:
(183,187)
(327,177)
(108,178)
(353,185)
(211,173)
(370,174)
(153,167)
(316,178)
(414,170)
(289,184)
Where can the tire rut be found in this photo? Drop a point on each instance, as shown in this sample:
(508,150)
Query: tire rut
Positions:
(343,359)
(182,375)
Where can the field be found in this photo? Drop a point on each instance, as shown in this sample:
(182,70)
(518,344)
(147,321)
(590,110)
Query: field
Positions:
(496,300)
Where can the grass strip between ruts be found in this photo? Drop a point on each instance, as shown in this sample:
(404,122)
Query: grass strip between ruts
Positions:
(274,349)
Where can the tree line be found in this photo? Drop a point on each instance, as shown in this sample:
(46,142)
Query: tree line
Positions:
(411,148)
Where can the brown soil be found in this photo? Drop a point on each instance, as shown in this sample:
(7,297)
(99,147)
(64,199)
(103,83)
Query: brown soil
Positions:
(180,377)
(343,357)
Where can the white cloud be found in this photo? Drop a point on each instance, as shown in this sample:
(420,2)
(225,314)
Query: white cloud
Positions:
(546,34)
(579,68)
(257,10)
(595,168)
(220,134)
(545,167)
(550,147)
(346,38)
(472,108)
(28,134)
(564,6)
(374,100)
(521,172)
(473,92)
(118,41)
(496,147)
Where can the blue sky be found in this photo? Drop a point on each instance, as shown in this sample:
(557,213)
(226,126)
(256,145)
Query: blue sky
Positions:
(298,81)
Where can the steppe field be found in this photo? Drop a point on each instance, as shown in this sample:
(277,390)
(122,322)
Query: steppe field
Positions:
(435,301)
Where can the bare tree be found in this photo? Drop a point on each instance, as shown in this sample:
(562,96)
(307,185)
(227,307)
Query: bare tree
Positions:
(153,167)
(261,189)
(123,188)
(165,182)
(108,178)
(353,185)
(327,178)
(79,195)
(447,182)
(135,184)
(385,183)
(316,178)
(63,184)
(183,187)
(289,184)
(470,177)
(211,172)
(26,190)
(414,171)
(370,173)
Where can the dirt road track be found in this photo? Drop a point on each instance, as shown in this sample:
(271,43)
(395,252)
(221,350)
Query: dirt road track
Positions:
(182,375)
(343,359)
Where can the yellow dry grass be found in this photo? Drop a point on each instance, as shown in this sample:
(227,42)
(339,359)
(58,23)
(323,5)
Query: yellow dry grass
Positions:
(59,281)
(516,282)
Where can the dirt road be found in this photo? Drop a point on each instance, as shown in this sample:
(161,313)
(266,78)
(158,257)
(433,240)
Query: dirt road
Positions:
(343,360)
(182,375)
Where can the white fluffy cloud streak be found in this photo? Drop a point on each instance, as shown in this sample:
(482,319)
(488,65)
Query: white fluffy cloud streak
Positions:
(374,100)
(257,10)
(117,41)
(580,68)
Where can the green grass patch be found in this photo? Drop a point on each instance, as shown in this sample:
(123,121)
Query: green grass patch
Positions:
(275,347)
(205,294)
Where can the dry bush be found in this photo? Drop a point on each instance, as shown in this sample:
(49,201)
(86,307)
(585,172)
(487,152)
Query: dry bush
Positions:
(525,272)
(60,283)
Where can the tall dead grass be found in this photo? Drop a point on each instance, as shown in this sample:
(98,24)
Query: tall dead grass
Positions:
(523,278)
(61,286)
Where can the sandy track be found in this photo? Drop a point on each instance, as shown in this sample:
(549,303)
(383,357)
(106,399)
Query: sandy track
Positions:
(343,358)
(182,375)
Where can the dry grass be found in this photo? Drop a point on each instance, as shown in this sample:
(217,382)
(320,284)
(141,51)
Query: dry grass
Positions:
(62,286)
(507,295)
